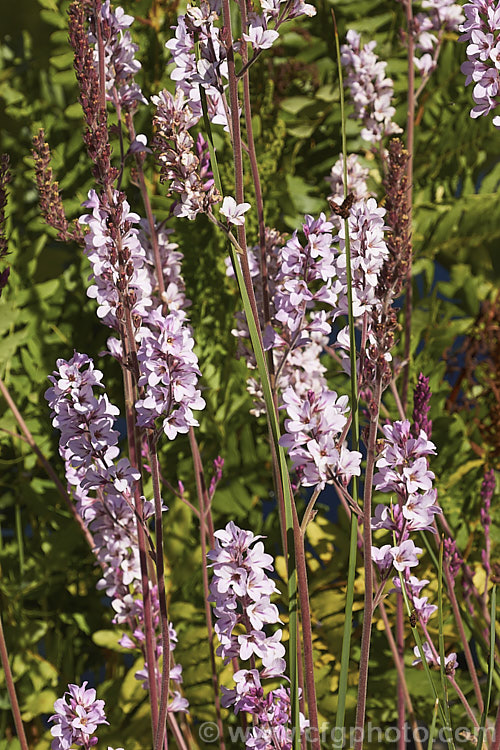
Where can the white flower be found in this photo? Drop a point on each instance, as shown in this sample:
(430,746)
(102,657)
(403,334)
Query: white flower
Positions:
(234,211)
(259,37)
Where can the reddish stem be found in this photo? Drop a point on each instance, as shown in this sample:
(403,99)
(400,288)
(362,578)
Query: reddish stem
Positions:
(160,736)
(392,644)
(410,130)
(305,616)
(16,711)
(496,732)
(463,637)
(141,543)
(147,207)
(367,547)
(238,156)
(203,501)
(252,155)
(398,661)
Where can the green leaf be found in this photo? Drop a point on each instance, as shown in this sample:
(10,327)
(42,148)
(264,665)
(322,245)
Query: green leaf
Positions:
(108,639)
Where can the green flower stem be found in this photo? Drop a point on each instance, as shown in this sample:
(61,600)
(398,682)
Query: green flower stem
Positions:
(252,155)
(400,637)
(491,667)
(351,575)
(19,538)
(399,663)
(245,286)
(427,670)
(432,730)
(367,547)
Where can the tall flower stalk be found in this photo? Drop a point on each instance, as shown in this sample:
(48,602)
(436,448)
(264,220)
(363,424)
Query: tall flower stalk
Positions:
(350,262)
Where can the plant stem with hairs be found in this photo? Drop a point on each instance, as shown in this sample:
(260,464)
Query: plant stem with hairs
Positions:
(160,734)
(203,503)
(305,617)
(248,296)
(256,180)
(147,207)
(367,547)
(400,638)
(346,639)
(410,131)
(11,691)
(463,638)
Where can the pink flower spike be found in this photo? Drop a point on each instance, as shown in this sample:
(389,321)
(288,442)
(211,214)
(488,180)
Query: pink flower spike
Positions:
(234,211)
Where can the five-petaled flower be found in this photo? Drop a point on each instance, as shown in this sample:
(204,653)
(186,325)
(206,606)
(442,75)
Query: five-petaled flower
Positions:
(234,211)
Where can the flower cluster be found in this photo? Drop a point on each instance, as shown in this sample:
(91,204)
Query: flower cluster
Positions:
(382,323)
(370,89)
(296,339)
(368,253)
(119,56)
(313,431)
(174,296)
(481,32)
(403,469)
(209,72)
(357,177)
(76,718)
(169,374)
(394,274)
(433,658)
(420,604)
(49,196)
(117,259)
(89,447)
(241,590)
(429,26)
(180,166)
(305,277)
(307,285)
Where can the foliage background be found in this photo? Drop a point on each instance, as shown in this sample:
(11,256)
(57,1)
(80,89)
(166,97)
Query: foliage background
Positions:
(58,627)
